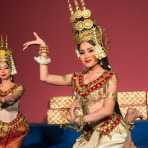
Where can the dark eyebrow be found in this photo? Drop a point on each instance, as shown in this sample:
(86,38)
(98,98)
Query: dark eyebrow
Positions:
(81,50)
(87,48)
(90,48)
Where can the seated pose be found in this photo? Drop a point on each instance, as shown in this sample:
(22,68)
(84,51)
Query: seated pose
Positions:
(95,109)
(13,125)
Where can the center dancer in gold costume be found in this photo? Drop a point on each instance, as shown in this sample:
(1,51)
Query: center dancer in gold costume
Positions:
(95,109)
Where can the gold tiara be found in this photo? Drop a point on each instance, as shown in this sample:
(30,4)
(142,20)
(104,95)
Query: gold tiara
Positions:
(6,55)
(84,27)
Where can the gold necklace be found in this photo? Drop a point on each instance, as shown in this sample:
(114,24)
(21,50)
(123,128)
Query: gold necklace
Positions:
(5,93)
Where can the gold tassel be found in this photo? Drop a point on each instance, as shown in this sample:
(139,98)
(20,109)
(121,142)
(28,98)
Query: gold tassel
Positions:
(70,7)
(83,4)
(76,5)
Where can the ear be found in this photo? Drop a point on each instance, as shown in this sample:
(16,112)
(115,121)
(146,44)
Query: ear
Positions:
(77,53)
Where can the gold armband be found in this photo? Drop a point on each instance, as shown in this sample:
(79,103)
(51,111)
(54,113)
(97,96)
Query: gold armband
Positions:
(130,125)
(110,94)
(81,122)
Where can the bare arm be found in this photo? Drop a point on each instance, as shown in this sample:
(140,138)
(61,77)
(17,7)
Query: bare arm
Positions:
(44,74)
(54,79)
(108,106)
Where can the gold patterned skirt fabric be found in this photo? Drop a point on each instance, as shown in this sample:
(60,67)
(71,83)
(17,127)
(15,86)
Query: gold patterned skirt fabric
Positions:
(12,130)
(115,139)
(118,131)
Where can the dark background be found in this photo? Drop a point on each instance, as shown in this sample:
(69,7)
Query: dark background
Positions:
(126,22)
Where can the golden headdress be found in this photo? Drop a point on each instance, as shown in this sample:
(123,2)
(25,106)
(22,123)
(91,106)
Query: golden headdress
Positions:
(85,28)
(6,55)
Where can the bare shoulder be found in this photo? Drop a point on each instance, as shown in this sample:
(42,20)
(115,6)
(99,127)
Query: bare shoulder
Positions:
(19,87)
(114,77)
(112,83)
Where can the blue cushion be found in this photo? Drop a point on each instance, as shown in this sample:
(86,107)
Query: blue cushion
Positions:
(52,134)
(70,136)
(140,134)
(35,135)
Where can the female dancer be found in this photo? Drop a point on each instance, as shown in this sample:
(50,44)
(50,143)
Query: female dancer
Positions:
(13,125)
(95,92)
(95,109)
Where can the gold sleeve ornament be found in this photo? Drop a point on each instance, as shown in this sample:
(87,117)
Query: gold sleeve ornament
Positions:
(17,92)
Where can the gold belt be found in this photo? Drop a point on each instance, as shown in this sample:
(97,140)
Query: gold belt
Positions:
(109,124)
(5,127)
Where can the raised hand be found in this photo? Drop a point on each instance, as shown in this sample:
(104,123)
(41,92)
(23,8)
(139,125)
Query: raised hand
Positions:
(37,41)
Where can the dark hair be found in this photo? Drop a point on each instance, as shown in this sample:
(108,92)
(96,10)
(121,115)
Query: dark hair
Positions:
(90,42)
(117,108)
(104,63)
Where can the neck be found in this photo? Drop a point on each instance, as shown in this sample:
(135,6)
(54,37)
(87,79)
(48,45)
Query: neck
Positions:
(96,67)
(6,82)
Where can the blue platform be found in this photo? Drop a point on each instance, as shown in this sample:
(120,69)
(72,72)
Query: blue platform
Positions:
(140,134)
(46,136)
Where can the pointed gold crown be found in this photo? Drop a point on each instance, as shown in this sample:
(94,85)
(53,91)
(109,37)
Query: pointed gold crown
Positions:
(84,27)
(6,55)
(5,52)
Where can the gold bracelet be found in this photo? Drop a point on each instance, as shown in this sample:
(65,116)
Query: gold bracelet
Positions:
(110,94)
(43,50)
(80,120)
(130,125)
(43,47)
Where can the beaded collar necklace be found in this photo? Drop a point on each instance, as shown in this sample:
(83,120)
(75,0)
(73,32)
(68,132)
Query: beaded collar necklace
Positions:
(5,93)
(85,89)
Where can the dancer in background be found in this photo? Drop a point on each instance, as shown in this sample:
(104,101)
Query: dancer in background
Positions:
(13,125)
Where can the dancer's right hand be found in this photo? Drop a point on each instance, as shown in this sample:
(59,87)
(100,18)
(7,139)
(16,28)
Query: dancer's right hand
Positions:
(37,41)
(133,114)
(71,115)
